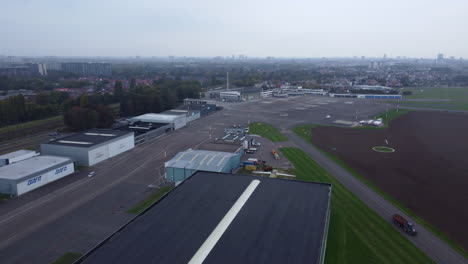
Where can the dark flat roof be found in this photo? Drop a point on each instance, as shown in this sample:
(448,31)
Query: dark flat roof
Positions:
(140,128)
(282,222)
(89,138)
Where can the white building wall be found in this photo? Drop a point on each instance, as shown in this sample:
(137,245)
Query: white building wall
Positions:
(23,157)
(43,179)
(180,122)
(193,116)
(120,146)
(98,154)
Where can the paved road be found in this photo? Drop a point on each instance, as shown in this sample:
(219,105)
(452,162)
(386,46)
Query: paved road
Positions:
(75,216)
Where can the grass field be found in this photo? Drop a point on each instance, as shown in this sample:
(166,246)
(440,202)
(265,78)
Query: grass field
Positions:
(305,132)
(438,93)
(448,105)
(141,206)
(30,124)
(67,258)
(267,131)
(356,233)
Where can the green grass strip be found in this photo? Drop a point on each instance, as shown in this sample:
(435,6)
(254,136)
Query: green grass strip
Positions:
(67,258)
(445,105)
(305,132)
(356,234)
(267,131)
(4,197)
(147,202)
(438,93)
(30,124)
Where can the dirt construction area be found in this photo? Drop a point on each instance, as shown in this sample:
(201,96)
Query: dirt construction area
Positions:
(427,172)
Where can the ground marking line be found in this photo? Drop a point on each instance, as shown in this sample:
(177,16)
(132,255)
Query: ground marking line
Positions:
(211,241)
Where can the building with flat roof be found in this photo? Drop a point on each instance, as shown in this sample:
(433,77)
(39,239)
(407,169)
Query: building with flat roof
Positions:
(87,68)
(177,121)
(16,156)
(188,162)
(226,218)
(204,109)
(29,174)
(91,146)
(230,96)
(190,115)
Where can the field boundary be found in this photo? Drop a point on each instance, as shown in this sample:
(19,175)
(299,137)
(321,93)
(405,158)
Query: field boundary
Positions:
(305,132)
(350,239)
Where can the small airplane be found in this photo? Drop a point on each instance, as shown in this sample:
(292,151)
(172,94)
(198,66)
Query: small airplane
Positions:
(274,173)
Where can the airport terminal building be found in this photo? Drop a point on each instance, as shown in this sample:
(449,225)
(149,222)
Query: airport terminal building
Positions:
(26,175)
(92,146)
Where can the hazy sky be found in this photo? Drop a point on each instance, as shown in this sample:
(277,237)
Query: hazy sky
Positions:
(288,28)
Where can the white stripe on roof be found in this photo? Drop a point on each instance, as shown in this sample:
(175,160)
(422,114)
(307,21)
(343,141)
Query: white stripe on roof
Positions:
(211,160)
(75,142)
(221,161)
(203,160)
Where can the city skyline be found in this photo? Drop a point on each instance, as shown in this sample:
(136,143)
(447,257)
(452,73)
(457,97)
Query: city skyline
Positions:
(301,29)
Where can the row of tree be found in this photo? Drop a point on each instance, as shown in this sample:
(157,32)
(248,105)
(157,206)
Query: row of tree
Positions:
(16,109)
(162,95)
(88,112)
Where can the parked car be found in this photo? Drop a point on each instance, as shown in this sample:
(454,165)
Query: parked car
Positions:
(91,174)
(328,116)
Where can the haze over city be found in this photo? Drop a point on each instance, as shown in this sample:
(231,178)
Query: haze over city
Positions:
(295,28)
(249,131)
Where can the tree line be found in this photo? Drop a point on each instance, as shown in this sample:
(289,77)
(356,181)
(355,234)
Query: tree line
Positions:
(160,96)
(91,111)
(16,109)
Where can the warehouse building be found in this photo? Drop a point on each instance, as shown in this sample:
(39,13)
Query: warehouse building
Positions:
(177,121)
(230,96)
(188,162)
(16,156)
(204,109)
(26,175)
(190,115)
(92,146)
(380,96)
(145,132)
(225,218)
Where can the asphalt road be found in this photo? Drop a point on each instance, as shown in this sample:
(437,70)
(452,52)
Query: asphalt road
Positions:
(77,212)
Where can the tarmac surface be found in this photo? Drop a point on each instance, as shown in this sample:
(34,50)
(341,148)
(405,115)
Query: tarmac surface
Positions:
(75,213)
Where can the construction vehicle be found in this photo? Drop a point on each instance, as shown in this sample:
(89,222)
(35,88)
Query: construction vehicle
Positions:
(275,154)
(401,222)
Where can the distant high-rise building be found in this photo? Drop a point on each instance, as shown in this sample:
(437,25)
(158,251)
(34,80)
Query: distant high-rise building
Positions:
(27,70)
(385,56)
(87,68)
(440,57)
